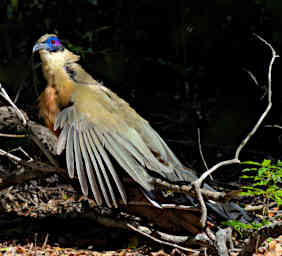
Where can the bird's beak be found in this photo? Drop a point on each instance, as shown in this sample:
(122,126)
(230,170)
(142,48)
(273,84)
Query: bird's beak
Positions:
(39,46)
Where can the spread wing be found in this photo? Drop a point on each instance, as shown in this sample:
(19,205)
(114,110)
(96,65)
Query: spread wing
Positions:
(100,123)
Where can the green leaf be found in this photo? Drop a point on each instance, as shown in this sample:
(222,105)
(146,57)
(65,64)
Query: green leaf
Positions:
(246,177)
(251,162)
(249,169)
(266,162)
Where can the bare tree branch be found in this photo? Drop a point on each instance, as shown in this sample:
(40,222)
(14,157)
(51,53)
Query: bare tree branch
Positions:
(4,94)
(197,184)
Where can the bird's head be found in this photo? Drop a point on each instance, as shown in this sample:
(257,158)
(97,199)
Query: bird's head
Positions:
(48,42)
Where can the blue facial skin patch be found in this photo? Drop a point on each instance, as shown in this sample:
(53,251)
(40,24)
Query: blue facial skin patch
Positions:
(53,43)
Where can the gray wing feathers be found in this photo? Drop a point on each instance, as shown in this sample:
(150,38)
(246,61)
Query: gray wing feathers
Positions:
(183,173)
(130,149)
(92,152)
(89,170)
(156,143)
(86,150)
(152,140)
(129,164)
(152,162)
(70,152)
(79,163)
(108,162)
(101,165)
(62,118)
(61,144)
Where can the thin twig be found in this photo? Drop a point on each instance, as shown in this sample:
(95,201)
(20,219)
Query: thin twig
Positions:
(188,189)
(160,241)
(273,126)
(215,167)
(252,76)
(254,79)
(197,186)
(201,152)
(45,241)
(200,148)
(9,155)
(23,151)
(163,206)
(258,207)
(12,135)
(252,132)
(198,182)
(25,125)
(19,92)
(4,94)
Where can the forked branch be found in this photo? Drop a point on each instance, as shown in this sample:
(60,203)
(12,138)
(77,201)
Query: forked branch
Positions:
(197,184)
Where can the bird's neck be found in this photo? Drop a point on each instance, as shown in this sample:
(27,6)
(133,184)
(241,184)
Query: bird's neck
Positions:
(60,86)
(54,69)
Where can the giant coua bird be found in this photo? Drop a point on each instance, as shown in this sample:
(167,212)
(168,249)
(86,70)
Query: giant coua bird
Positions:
(95,124)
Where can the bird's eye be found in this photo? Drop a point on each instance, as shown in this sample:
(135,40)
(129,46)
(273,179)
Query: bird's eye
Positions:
(52,41)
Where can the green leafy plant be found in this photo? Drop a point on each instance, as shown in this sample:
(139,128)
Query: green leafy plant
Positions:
(244,229)
(266,179)
(266,182)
